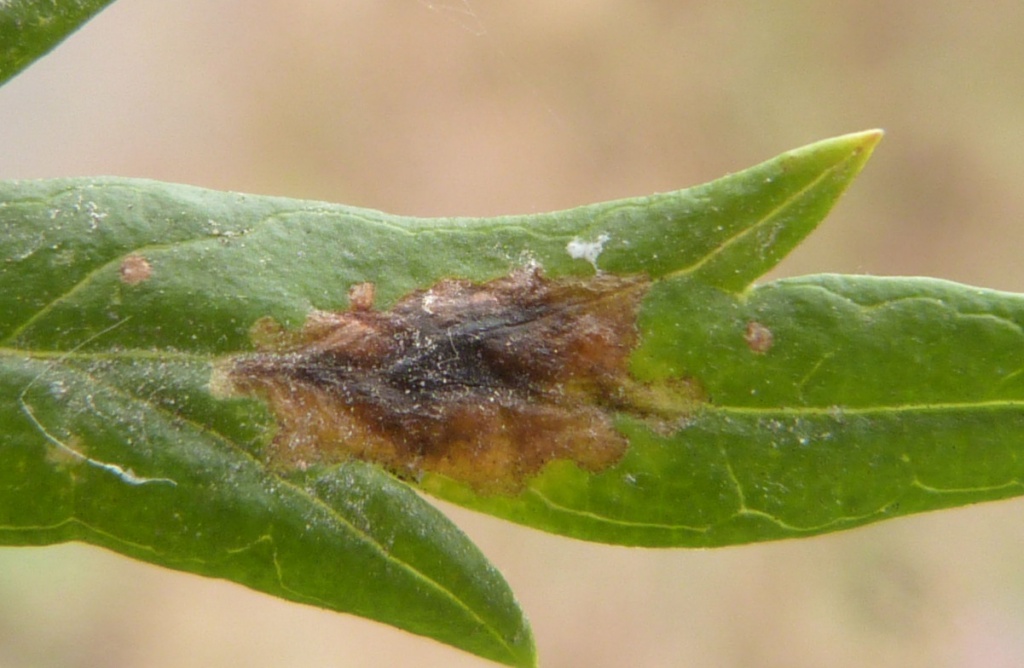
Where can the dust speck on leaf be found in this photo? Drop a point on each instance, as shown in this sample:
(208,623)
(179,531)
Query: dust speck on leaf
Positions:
(482,382)
(135,269)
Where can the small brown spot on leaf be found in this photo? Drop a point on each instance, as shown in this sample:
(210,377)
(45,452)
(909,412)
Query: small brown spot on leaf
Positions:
(759,338)
(485,383)
(360,296)
(135,269)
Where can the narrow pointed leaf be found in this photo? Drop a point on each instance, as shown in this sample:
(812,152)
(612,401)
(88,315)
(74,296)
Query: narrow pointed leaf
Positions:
(167,482)
(31,28)
(120,296)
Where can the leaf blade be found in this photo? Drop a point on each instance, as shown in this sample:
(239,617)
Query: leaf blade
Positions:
(350,539)
(123,292)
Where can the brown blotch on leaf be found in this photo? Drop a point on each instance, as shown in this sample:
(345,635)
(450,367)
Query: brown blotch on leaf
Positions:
(758,337)
(485,383)
(135,269)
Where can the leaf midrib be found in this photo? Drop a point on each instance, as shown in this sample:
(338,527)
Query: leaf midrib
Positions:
(834,410)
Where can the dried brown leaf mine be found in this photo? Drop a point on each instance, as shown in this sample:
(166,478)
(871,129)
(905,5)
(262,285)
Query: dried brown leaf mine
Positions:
(485,383)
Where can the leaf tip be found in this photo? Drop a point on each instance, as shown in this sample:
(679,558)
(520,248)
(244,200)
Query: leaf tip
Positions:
(860,145)
(868,140)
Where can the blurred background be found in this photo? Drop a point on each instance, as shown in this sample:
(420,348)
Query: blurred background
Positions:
(475,107)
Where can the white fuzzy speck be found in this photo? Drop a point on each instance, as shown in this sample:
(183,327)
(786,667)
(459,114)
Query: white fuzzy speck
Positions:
(587,250)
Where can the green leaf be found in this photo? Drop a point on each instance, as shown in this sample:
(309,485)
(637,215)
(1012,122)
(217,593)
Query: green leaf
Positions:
(118,295)
(30,28)
(186,494)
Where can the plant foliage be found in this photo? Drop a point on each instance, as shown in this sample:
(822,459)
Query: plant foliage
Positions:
(818,403)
